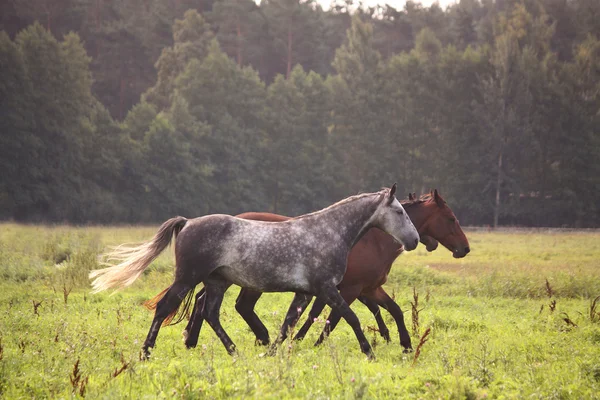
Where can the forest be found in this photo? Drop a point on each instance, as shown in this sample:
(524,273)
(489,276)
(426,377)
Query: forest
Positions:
(135,111)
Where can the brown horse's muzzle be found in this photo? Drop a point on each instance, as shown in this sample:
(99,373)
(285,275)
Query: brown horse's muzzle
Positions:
(460,253)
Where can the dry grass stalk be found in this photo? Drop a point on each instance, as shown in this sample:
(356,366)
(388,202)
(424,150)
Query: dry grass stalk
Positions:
(77,381)
(66,292)
(36,305)
(568,320)
(415,311)
(594,314)
(375,332)
(552,306)
(1,349)
(422,341)
(549,290)
(124,366)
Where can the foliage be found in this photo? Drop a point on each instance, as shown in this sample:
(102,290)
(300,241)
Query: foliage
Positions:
(134,111)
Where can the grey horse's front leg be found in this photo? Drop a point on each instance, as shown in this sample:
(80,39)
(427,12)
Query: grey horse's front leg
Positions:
(339,305)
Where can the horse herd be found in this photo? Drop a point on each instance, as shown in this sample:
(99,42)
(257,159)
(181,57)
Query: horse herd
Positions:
(339,254)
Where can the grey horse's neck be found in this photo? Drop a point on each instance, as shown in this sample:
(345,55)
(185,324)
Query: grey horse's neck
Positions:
(348,218)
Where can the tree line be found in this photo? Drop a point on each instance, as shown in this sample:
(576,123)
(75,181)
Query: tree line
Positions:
(135,111)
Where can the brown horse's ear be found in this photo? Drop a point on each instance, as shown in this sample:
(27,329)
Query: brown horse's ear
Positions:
(411,197)
(391,194)
(438,199)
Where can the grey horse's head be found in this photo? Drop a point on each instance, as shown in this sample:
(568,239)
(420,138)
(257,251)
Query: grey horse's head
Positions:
(391,217)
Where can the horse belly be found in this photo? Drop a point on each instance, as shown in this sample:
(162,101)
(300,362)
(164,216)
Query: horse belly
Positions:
(267,279)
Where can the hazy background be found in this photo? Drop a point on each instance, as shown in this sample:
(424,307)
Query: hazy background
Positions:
(138,110)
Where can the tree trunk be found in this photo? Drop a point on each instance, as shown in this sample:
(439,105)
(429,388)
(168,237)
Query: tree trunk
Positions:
(498,183)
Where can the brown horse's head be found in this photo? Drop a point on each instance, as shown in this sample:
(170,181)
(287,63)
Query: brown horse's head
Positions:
(435,221)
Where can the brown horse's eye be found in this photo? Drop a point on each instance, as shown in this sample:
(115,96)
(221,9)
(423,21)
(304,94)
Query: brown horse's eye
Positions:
(453,220)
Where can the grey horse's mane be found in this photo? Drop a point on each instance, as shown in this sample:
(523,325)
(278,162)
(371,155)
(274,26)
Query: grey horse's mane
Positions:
(341,202)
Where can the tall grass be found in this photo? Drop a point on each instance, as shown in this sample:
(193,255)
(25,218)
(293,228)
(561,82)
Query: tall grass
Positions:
(491,332)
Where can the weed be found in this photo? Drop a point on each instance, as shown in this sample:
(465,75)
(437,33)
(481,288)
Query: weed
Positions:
(118,371)
(415,312)
(66,292)
(78,382)
(36,305)
(549,290)
(422,341)
(594,313)
(568,320)
(1,349)
(483,372)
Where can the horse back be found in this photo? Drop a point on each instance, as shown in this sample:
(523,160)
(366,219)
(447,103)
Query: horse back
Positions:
(262,216)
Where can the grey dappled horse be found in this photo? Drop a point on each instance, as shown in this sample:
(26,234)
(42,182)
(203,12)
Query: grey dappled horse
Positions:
(306,255)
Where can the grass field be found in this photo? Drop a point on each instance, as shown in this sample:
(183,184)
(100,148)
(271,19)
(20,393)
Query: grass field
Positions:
(497,329)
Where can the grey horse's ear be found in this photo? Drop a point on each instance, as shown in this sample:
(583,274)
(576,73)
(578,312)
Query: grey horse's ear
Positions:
(391,193)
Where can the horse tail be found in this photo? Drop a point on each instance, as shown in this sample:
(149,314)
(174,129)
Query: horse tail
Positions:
(133,260)
(181,312)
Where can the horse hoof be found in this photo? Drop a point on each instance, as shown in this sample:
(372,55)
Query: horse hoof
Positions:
(407,350)
(190,345)
(144,355)
(272,352)
(261,342)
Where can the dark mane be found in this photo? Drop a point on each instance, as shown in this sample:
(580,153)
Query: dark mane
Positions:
(422,199)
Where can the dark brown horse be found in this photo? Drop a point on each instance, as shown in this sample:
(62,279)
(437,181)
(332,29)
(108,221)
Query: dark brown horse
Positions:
(368,266)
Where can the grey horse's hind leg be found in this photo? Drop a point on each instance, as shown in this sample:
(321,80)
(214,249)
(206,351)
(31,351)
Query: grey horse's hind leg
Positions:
(169,303)
(215,290)
(338,304)
(315,311)
(294,313)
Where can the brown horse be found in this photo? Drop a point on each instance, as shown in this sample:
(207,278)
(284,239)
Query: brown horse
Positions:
(368,266)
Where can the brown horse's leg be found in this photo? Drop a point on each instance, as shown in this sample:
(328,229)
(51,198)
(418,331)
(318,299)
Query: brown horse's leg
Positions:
(192,330)
(294,313)
(374,308)
(169,303)
(315,311)
(348,294)
(215,290)
(337,303)
(244,305)
(385,301)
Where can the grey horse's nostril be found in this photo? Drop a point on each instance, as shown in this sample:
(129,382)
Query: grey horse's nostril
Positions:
(467,250)
(416,242)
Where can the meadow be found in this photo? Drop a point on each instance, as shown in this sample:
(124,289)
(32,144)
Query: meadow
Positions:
(516,318)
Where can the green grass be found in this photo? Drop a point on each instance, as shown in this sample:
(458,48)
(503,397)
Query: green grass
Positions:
(493,334)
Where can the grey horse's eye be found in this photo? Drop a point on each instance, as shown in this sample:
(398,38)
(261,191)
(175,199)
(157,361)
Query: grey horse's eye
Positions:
(400,212)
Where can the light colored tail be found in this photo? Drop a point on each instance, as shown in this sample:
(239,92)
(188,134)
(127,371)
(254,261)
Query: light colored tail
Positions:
(131,261)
